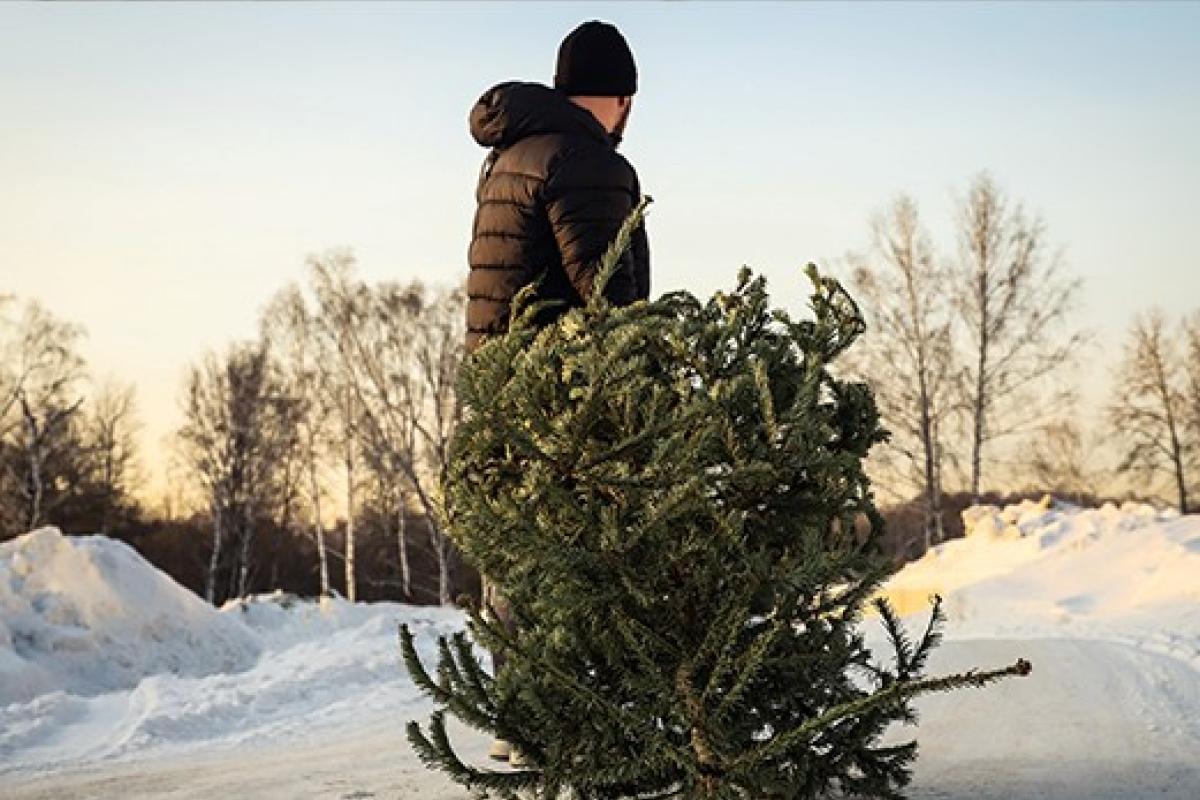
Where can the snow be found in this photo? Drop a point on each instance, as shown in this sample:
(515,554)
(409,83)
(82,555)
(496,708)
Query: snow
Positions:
(117,682)
(1105,602)
(1127,574)
(105,659)
(86,615)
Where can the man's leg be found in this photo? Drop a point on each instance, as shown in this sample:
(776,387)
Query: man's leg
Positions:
(500,749)
(504,616)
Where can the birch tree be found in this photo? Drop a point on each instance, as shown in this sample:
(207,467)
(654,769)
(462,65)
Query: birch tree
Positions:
(289,323)
(1148,409)
(385,352)
(906,353)
(205,444)
(375,339)
(342,304)
(439,354)
(347,412)
(42,392)
(231,437)
(408,370)
(399,353)
(1013,300)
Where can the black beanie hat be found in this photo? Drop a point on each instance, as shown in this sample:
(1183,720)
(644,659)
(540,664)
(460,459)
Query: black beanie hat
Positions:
(595,59)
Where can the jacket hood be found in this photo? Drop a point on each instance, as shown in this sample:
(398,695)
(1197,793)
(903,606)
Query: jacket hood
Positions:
(512,110)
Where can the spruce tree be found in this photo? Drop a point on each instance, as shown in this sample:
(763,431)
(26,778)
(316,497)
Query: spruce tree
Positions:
(671,496)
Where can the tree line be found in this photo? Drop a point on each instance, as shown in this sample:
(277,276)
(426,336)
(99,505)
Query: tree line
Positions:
(973,349)
(309,457)
(345,398)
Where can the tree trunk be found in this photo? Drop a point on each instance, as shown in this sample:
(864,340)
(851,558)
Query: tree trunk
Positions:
(210,587)
(981,392)
(319,530)
(318,526)
(247,541)
(444,574)
(350,587)
(231,587)
(35,476)
(939,530)
(106,509)
(1179,482)
(1164,391)
(402,544)
(931,493)
(1177,459)
(927,429)
(441,547)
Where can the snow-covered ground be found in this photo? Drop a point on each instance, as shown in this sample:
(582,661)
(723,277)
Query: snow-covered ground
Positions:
(1106,604)
(117,682)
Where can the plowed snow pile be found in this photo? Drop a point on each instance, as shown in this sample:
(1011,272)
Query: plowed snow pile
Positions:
(1053,568)
(103,656)
(116,682)
(88,614)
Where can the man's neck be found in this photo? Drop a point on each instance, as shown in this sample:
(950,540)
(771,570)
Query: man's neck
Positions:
(599,108)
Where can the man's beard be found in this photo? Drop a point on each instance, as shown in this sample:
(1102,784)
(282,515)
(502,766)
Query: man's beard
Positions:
(618,131)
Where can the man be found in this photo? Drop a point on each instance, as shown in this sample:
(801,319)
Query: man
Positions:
(554,190)
(551,196)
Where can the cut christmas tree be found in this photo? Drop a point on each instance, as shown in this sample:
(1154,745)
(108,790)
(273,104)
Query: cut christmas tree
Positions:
(671,497)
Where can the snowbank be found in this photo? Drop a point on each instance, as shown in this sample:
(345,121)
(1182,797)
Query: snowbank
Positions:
(1042,566)
(103,656)
(88,614)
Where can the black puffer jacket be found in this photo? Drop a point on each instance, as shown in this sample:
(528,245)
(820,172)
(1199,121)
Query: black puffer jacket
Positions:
(551,196)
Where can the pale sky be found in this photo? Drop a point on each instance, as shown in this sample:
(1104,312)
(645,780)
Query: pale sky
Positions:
(164,168)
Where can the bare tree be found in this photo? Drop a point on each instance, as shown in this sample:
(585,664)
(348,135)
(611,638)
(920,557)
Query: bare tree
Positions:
(385,345)
(206,442)
(1012,301)
(232,438)
(342,303)
(906,353)
(348,413)
(1058,459)
(399,349)
(289,323)
(42,384)
(288,474)
(111,425)
(178,493)
(1148,406)
(439,354)
(1191,343)
(44,424)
